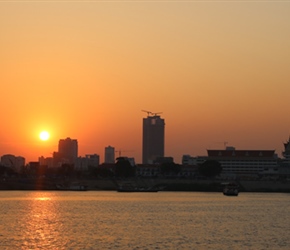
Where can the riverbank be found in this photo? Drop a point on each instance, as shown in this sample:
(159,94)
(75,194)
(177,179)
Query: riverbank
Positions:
(164,184)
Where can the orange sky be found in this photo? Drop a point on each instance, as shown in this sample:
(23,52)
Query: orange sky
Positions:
(218,70)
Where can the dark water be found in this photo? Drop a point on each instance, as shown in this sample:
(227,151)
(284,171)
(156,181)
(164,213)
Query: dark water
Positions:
(164,220)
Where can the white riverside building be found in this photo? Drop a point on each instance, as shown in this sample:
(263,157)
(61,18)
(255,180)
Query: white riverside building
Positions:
(245,162)
(239,162)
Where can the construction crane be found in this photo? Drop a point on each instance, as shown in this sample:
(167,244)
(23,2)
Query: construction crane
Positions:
(155,114)
(120,152)
(152,113)
(148,112)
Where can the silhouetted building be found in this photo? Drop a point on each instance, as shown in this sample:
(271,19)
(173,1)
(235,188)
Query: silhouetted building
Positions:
(147,170)
(12,161)
(68,150)
(46,161)
(153,138)
(86,163)
(93,160)
(286,152)
(161,160)
(109,154)
(188,160)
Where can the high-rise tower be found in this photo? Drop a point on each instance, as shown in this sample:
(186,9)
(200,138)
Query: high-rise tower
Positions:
(153,138)
(68,149)
(109,154)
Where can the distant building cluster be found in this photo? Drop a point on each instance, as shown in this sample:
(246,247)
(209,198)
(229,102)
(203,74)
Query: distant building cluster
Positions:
(235,163)
(68,154)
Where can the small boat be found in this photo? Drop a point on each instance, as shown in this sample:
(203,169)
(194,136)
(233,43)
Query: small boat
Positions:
(231,189)
(132,188)
(72,187)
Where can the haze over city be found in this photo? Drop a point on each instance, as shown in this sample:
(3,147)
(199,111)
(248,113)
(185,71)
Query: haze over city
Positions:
(217,70)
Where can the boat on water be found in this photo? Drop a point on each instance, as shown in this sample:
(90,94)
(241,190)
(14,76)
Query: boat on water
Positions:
(129,187)
(136,189)
(231,189)
(72,187)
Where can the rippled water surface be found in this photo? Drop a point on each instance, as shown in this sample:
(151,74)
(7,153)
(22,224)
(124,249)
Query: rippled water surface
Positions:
(163,220)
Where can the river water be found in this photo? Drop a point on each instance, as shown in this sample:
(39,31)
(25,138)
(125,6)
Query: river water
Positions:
(163,220)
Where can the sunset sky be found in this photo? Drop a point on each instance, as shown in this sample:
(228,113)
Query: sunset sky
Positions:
(219,71)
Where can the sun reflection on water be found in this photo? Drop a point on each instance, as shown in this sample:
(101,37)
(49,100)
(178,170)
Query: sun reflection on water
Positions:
(165,220)
(41,225)
(43,198)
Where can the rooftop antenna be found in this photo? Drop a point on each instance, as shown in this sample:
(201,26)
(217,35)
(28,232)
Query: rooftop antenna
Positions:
(155,114)
(120,151)
(149,112)
(224,142)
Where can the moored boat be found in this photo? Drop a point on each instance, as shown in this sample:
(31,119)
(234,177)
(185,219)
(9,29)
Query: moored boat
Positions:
(231,189)
(136,189)
(129,187)
(72,187)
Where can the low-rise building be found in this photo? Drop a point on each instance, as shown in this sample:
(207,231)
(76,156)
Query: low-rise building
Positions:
(12,161)
(147,170)
(84,163)
(245,162)
(46,161)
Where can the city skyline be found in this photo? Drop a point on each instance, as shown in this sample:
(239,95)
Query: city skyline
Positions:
(68,149)
(217,70)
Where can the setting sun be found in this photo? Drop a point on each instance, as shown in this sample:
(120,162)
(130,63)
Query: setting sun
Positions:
(44,136)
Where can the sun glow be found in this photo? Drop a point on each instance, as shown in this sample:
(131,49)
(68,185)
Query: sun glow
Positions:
(44,136)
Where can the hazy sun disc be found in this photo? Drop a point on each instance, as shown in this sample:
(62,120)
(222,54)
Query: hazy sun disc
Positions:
(44,136)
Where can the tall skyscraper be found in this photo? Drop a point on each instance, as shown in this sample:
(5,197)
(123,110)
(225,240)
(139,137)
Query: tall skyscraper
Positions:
(109,154)
(153,138)
(68,149)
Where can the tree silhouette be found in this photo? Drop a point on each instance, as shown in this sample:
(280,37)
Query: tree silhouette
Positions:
(124,168)
(102,172)
(170,168)
(6,171)
(210,168)
(66,169)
